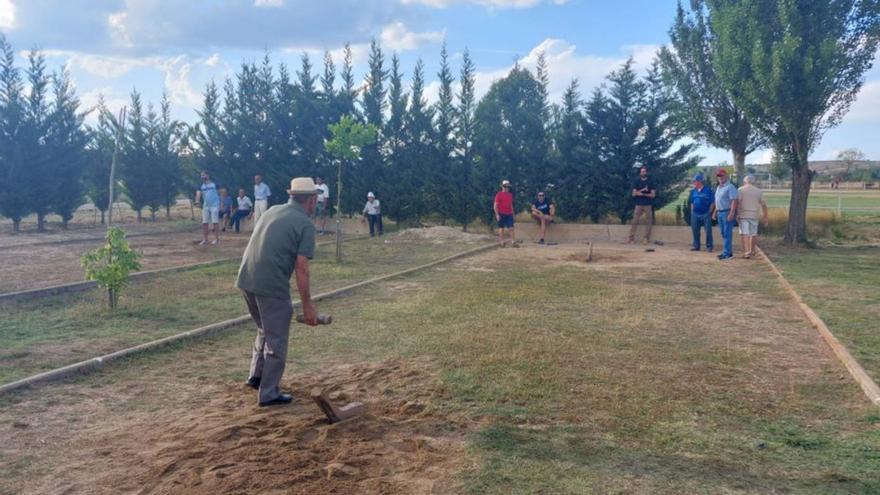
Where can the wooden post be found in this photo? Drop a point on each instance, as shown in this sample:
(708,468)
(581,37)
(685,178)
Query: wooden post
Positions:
(339,211)
(120,133)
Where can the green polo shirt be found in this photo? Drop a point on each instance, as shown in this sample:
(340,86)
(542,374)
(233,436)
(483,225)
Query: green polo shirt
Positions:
(283,233)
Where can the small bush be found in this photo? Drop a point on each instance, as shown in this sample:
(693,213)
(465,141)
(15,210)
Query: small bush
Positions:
(111,264)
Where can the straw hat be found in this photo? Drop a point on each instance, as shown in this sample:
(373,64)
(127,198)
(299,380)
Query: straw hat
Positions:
(303,185)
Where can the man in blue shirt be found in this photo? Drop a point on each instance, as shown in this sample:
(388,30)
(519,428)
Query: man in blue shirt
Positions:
(726,200)
(209,198)
(261,197)
(702,201)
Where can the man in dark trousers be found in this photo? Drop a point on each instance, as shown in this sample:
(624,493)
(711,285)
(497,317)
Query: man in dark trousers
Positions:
(282,244)
(643,193)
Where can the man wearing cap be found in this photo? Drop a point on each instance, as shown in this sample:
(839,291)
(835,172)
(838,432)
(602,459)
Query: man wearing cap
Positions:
(323,204)
(503,207)
(282,244)
(543,211)
(725,211)
(702,201)
(751,204)
(373,213)
(644,192)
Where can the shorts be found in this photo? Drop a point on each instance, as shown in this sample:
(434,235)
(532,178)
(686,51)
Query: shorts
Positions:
(748,226)
(225,213)
(211,214)
(321,209)
(505,221)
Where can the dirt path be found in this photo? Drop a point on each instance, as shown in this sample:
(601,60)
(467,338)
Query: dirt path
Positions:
(30,267)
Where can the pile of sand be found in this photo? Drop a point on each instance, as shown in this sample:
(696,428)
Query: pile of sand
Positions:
(440,234)
(229,445)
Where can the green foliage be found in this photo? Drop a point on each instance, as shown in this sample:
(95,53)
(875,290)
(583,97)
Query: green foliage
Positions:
(795,67)
(702,105)
(111,264)
(348,138)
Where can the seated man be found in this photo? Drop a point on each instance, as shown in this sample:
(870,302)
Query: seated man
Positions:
(543,211)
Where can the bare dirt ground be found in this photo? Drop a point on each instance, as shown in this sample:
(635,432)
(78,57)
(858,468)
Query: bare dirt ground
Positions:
(177,422)
(35,266)
(224,443)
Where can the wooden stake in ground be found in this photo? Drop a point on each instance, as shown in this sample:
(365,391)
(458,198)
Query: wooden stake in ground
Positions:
(336,414)
(589,251)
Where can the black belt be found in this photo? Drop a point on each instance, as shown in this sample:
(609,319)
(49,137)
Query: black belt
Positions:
(723,211)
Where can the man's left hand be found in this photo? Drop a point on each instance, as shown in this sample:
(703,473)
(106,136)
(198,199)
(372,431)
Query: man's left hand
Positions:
(730,217)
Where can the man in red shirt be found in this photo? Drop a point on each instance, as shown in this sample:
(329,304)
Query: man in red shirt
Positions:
(504,213)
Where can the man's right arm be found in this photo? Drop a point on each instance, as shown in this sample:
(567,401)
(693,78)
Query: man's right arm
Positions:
(305,294)
(495,209)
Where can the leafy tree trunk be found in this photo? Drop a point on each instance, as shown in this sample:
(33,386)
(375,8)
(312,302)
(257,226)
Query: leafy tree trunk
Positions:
(801,179)
(739,165)
(41,222)
(16,224)
(168,211)
(103,219)
(139,216)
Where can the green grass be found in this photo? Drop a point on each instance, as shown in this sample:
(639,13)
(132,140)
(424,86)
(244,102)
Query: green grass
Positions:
(852,203)
(842,284)
(644,378)
(47,333)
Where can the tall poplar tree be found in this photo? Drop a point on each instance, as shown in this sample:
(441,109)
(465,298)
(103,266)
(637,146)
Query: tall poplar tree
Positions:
(795,73)
(704,106)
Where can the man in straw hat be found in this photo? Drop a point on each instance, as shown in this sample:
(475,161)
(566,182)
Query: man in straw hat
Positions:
(282,244)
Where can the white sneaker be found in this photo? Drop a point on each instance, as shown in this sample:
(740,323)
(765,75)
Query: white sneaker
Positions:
(203,243)
(215,241)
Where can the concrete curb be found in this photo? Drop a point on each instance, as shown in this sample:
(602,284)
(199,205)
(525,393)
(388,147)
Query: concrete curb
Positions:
(93,364)
(137,276)
(855,369)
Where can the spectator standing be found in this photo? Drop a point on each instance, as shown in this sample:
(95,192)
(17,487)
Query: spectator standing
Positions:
(373,213)
(244,210)
(503,207)
(543,211)
(644,192)
(702,201)
(751,207)
(208,197)
(725,211)
(261,197)
(225,208)
(323,205)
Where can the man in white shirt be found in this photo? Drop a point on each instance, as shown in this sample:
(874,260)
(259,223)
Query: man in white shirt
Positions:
(373,213)
(323,204)
(751,207)
(261,197)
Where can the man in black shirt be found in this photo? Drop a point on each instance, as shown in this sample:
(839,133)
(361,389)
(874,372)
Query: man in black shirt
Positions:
(644,192)
(543,211)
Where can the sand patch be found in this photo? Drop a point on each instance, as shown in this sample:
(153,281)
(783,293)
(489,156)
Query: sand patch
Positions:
(441,234)
(228,444)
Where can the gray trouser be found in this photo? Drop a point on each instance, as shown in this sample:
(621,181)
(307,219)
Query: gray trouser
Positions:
(272,317)
(640,210)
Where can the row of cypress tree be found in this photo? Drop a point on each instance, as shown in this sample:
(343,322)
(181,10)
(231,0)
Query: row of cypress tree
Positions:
(442,160)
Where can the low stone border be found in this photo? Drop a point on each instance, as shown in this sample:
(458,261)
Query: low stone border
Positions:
(137,276)
(93,364)
(855,369)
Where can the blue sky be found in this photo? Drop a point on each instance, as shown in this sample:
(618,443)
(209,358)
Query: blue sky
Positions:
(113,46)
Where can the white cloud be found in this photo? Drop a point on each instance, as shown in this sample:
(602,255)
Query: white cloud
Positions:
(109,67)
(491,4)
(866,108)
(118,29)
(7,14)
(213,60)
(396,36)
(268,3)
